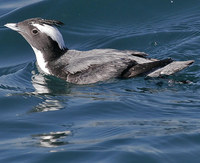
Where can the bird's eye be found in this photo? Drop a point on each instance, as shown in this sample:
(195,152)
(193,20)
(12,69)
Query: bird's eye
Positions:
(35,31)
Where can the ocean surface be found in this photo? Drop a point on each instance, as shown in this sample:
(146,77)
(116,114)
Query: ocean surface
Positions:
(45,119)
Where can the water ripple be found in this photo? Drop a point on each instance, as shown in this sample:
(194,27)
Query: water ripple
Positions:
(44,119)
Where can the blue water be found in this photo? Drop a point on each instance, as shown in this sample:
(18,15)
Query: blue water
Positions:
(45,119)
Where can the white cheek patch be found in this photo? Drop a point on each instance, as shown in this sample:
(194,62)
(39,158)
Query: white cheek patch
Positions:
(52,32)
(40,60)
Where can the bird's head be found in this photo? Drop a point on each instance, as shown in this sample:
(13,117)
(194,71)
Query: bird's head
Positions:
(43,36)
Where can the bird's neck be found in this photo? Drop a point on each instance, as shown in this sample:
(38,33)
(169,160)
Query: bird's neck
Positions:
(46,56)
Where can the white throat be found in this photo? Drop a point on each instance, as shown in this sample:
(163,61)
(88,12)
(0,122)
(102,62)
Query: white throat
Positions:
(41,61)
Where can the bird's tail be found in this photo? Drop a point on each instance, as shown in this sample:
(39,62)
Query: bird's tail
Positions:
(171,68)
(144,68)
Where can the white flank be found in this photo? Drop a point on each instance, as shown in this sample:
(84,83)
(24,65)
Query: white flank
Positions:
(52,32)
(40,60)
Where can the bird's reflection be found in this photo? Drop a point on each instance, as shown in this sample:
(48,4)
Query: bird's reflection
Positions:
(49,85)
(48,105)
(52,139)
(51,91)
(46,88)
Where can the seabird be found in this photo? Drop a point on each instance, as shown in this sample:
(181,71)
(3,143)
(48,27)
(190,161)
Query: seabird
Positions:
(86,67)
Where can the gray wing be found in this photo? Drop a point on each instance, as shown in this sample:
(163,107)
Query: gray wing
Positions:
(99,64)
(82,60)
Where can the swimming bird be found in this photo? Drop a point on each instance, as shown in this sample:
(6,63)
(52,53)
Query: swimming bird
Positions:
(86,67)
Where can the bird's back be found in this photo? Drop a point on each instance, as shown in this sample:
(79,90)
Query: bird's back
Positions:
(84,67)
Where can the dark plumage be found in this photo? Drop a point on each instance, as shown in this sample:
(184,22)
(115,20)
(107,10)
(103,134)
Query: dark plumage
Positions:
(44,21)
(85,67)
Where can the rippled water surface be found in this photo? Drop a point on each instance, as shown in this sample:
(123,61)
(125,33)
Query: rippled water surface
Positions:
(45,119)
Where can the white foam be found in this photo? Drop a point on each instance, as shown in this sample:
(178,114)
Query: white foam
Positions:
(52,32)
(41,61)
